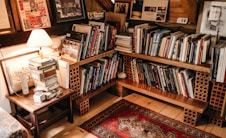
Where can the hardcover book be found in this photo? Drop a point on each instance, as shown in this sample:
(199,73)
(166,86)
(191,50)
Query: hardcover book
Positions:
(71,50)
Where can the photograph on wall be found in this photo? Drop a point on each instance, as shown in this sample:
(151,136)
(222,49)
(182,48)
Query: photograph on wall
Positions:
(68,10)
(214,18)
(149,10)
(121,7)
(155,10)
(136,9)
(33,14)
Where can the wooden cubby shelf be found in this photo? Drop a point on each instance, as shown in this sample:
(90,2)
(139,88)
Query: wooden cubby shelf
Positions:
(202,68)
(176,99)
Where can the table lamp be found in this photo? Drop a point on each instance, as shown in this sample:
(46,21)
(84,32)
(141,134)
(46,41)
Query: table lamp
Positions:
(39,38)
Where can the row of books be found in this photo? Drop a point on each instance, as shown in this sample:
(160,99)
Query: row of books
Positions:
(153,41)
(164,77)
(96,73)
(87,40)
(218,66)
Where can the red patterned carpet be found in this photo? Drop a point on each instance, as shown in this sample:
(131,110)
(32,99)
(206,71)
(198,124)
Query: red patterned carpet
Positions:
(128,120)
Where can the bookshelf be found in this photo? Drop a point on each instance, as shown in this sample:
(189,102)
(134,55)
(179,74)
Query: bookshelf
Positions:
(82,101)
(193,108)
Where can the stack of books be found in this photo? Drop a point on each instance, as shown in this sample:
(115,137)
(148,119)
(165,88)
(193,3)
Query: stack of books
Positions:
(123,42)
(43,72)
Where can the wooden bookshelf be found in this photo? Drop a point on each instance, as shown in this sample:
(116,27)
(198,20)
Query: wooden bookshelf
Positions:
(82,101)
(176,99)
(201,68)
(193,108)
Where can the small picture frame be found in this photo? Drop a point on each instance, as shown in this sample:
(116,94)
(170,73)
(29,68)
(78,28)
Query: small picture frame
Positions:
(68,10)
(149,10)
(14,67)
(33,14)
(121,7)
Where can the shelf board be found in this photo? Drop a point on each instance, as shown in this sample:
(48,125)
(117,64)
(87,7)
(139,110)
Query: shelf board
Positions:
(202,68)
(93,93)
(170,24)
(88,60)
(175,99)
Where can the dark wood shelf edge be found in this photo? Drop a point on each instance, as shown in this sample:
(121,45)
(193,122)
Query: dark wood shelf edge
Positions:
(201,68)
(93,93)
(179,100)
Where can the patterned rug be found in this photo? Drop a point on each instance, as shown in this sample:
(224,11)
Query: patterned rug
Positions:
(128,120)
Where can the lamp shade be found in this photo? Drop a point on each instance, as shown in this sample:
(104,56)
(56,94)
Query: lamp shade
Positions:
(39,38)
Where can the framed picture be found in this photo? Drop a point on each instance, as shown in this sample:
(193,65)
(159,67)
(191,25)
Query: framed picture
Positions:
(68,10)
(33,14)
(149,10)
(213,20)
(6,21)
(14,68)
(121,7)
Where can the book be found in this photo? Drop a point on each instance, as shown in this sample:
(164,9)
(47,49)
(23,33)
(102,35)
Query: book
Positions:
(157,37)
(71,50)
(136,36)
(123,49)
(89,73)
(173,38)
(83,28)
(82,74)
(146,32)
(206,47)
(184,48)
(104,62)
(40,63)
(164,46)
(80,37)
(215,60)
(63,73)
(40,75)
(221,64)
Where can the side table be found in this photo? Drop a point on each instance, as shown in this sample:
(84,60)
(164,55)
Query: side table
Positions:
(37,116)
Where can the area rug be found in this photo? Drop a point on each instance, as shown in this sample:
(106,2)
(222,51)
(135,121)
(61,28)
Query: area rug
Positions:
(128,120)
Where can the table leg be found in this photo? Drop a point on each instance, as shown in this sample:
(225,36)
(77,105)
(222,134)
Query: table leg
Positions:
(35,125)
(70,114)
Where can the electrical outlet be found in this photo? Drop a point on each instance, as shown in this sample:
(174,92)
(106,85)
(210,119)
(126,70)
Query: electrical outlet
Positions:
(182,20)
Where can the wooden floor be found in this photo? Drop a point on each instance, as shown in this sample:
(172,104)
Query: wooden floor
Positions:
(64,129)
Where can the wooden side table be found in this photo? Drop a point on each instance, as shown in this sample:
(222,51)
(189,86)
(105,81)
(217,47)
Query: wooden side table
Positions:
(37,116)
